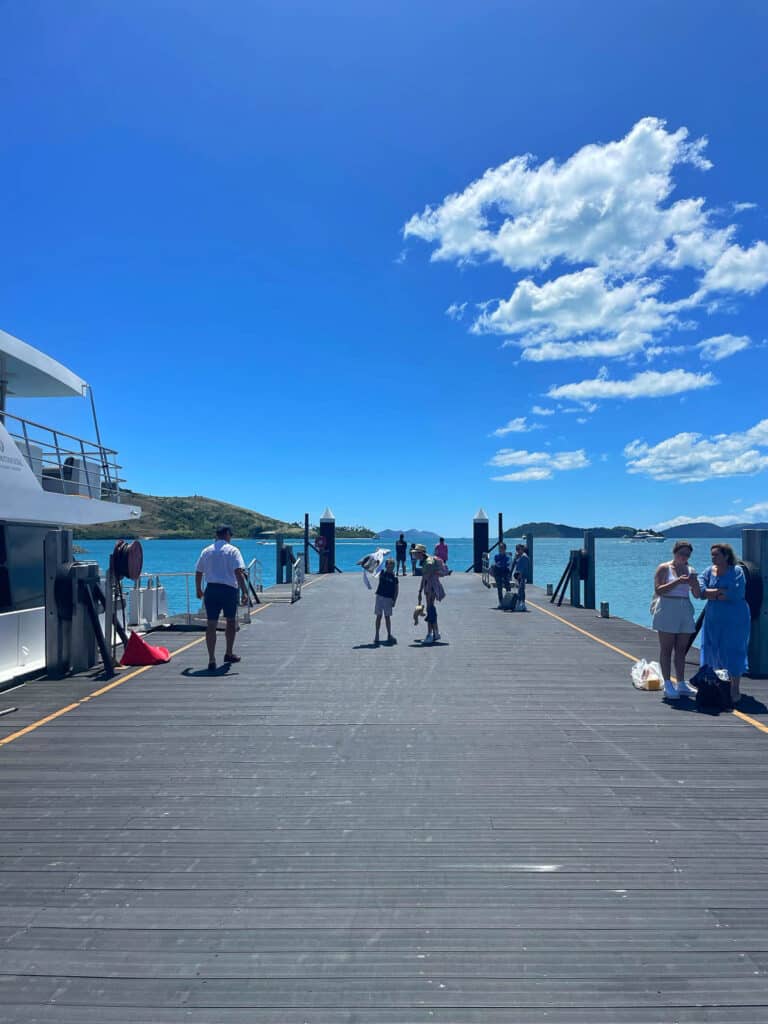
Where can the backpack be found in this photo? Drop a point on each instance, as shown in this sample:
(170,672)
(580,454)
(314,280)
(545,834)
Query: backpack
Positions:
(713,694)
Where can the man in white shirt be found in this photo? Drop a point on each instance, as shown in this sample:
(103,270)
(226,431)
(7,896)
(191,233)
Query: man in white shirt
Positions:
(224,569)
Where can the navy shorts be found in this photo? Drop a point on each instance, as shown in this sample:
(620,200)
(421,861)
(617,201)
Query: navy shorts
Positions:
(220,598)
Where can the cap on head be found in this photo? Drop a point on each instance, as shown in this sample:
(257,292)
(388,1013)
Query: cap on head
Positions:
(223,530)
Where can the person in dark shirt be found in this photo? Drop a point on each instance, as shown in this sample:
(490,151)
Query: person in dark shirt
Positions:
(502,571)
(386,599)
(401,546)
(520,572)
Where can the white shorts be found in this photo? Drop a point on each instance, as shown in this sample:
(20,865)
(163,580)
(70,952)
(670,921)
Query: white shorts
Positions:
(384,606)
(674,615)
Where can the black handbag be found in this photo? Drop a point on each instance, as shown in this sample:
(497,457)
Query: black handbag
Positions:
(713,694)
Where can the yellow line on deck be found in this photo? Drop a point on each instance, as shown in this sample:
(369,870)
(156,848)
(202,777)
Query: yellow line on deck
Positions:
(105,689)
(739,714)
(583,631)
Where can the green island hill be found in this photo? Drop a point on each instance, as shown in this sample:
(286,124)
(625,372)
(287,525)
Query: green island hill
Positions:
(561,530)
(195,516)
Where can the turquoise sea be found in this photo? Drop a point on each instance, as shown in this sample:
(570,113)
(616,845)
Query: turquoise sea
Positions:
(624,569)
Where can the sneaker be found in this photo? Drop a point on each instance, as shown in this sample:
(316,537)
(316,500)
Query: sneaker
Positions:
(437,636)
(670,690)
(684,690)
(232,659)
(429,639)
(211,666)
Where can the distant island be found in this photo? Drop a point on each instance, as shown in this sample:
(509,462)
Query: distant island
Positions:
(195,516)
(412,536)
(689,530)
(561,530)
(711,529)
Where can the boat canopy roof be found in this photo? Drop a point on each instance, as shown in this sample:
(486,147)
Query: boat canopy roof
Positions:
(32,374)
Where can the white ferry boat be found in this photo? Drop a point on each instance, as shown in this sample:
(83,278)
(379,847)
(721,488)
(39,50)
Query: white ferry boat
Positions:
(644,535)
(48,479)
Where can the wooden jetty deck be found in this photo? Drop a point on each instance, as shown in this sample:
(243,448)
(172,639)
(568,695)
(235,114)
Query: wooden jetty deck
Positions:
(495,829)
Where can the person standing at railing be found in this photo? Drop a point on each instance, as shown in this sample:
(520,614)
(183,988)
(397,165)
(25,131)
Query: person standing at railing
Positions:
(222,565)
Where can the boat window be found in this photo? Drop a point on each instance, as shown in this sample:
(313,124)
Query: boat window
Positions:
(22,581)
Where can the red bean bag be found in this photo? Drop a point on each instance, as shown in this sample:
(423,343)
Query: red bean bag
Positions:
(139,652)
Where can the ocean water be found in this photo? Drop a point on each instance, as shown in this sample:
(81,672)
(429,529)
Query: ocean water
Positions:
(624,569)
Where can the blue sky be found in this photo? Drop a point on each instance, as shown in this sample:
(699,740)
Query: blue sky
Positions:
(266,236)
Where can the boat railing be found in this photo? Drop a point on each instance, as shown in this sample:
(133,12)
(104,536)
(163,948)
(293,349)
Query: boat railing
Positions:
(148,601)
(64,463)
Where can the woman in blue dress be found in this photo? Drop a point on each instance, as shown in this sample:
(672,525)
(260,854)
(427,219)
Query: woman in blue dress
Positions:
(725,633)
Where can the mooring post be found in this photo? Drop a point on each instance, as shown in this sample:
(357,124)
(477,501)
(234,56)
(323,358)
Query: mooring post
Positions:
(754,551)
(576,578)
(279,558)
(306,543)
(528,541)
(589,579)
(480,532)
(326,541)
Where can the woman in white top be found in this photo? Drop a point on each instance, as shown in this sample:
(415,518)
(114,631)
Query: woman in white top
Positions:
(673,585)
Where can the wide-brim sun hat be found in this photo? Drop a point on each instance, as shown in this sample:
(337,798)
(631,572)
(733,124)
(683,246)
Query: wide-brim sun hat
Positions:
(419,549)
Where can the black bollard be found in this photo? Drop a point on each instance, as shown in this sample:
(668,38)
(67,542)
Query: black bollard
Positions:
(326,541)
(480,536)
(754,551)
(528,541)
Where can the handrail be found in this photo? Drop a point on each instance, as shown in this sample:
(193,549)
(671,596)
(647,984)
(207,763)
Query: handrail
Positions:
(255,573)
(297,578)
(189,615)
(486,569)
(65,463)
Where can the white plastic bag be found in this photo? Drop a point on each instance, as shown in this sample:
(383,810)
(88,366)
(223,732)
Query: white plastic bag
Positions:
(646,675)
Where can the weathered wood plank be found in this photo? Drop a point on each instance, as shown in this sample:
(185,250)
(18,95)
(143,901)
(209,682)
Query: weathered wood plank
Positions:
(496,829)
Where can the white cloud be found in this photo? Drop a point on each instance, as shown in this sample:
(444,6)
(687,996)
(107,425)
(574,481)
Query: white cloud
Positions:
(603,206)
(519,425)
(578,410)
(740,207)
(574,303)
(739,270)
(650,384)
(609,348)
(728,520)
(539,410)
(759,511)
(722,346)
(539,465)
(539,473)
(606,218)
(456,310)
(690,457)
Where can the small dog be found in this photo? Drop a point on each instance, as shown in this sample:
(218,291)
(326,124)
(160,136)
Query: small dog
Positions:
(417,612)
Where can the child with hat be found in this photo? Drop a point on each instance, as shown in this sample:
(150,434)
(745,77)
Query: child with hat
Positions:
(432,568)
